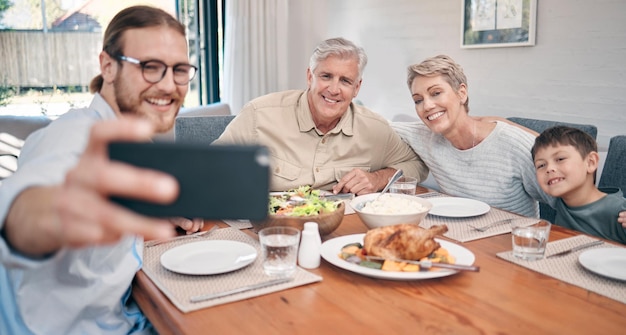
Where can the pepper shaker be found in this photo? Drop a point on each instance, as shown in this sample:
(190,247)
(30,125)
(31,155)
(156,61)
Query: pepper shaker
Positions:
(309,253)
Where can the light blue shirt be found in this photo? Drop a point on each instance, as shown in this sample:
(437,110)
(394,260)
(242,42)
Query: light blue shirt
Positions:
(74,291)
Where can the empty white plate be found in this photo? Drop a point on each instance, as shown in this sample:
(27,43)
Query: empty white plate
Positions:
(457,207)
(208,257)
(608,262)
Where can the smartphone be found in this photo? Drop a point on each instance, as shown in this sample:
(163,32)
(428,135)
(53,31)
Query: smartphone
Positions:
(216,181)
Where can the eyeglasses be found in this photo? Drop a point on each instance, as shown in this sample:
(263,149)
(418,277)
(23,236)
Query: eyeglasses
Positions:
(153,71)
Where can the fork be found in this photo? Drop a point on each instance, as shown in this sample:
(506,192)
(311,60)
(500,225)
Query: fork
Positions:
(194,235)
(487,227)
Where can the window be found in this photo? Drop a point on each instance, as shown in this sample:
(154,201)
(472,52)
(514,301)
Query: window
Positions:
(204,20)
(43,74)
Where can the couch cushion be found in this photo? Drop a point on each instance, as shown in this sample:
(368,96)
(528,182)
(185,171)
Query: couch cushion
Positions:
(22,126)
(218,108)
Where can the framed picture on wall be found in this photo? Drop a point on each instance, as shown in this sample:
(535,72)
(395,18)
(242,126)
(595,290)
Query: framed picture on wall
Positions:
(498,23)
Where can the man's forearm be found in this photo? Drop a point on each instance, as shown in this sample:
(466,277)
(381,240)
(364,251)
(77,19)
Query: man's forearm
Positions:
(414,168)
(383,176)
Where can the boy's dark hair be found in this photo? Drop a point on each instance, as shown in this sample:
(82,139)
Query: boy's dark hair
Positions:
(562,135)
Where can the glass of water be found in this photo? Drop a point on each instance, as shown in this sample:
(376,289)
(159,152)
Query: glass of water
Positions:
(404,185)
(280,250)
(529,241)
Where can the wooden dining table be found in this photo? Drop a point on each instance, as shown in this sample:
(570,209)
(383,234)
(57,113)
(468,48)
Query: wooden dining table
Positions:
(503,298)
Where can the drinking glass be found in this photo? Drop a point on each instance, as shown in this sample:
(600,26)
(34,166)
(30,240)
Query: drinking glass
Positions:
(529,241)
(404,185)
(280,250)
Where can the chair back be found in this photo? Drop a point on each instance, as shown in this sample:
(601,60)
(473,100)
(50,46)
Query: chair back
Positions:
(216,108)
(545,211)
(21,126)
(201,129)
(541,125)
(614,170)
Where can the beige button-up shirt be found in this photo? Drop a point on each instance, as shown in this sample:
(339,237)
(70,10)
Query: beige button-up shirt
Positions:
(302,155)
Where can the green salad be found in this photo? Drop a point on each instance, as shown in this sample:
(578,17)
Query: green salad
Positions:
(302,201)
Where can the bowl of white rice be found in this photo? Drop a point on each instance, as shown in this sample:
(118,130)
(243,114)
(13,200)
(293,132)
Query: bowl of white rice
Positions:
(390,209)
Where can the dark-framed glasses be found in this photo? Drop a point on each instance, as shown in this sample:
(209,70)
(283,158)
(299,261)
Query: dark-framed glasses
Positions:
(153,71)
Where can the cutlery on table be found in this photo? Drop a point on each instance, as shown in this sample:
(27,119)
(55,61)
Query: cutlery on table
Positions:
(429,194)
(429,264)
(570,250)
(338,196)
(204,297)
(194,235)
(296,200)
(493,224)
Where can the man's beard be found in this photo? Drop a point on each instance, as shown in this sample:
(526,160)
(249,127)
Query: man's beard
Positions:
(130,105)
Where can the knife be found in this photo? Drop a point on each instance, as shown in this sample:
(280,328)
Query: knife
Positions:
(338,196)
(429,264)
(153,243)
(570,250)
(204,297)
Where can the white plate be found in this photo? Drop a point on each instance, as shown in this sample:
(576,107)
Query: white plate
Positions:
(332,248)
(608,262)
(208,257)
(457,207)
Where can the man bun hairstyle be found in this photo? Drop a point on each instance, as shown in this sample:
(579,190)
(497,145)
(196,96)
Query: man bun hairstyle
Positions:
(132,18)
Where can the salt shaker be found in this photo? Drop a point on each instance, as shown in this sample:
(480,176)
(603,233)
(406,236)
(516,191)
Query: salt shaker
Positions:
(309,253)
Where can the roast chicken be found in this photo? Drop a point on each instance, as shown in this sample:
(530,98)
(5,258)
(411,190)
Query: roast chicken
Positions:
(402,241)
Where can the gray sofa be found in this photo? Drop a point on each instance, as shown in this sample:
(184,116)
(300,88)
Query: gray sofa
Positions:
(21,126)
(15,129)
(217,108)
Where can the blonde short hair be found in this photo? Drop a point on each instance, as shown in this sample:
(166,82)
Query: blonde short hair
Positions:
(439,65)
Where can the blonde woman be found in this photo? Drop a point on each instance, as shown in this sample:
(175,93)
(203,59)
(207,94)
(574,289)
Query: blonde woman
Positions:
(469,156)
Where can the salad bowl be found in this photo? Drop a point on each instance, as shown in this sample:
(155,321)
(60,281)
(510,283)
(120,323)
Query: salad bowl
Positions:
(309,207)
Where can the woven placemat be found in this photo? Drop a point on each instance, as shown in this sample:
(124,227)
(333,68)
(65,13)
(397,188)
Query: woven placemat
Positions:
(568,269)
(459,228)
(180,288)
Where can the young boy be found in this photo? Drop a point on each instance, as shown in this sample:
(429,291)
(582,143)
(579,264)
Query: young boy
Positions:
(566,160)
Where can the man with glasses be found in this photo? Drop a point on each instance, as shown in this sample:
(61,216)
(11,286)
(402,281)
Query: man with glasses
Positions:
(68,254)
(154,70)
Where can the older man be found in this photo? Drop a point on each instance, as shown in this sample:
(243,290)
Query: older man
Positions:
(69,254)
(318,137)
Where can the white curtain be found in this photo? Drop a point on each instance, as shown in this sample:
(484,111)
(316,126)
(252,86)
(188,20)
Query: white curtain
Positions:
(255,50)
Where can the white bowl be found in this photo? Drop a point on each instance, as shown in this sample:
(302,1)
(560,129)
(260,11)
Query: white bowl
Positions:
(372,220)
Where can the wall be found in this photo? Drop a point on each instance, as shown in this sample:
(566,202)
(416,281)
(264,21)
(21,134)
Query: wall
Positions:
(575,72)
(305,32)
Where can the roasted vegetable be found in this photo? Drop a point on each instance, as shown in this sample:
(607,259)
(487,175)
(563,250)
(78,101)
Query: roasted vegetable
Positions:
(354,253)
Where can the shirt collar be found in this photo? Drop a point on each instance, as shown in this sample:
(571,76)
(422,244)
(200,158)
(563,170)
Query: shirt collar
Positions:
(305,120)
(102,107)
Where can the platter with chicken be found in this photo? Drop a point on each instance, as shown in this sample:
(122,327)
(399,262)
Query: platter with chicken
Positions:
(395,252)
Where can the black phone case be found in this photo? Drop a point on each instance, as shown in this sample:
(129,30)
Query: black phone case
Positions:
(216,182)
